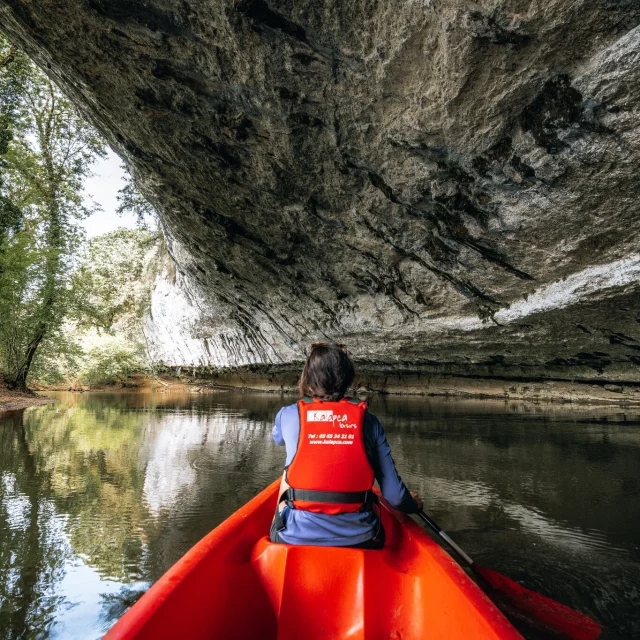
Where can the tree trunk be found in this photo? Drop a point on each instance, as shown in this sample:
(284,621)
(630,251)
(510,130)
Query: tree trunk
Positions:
(19,380)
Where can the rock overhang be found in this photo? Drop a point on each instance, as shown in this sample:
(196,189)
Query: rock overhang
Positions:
(403,176)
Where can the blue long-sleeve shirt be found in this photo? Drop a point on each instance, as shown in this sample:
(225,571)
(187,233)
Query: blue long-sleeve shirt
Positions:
(343,529)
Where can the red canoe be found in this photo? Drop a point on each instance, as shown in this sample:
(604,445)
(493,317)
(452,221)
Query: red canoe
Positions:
(235,584)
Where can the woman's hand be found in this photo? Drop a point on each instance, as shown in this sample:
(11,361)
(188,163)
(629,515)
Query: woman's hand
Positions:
(418,499)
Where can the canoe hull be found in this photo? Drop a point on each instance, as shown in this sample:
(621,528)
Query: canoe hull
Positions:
(235,584)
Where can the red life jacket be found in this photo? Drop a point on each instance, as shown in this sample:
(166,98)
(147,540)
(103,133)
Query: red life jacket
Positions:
(330,472)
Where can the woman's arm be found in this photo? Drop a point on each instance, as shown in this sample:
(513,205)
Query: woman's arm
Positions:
(276,432)
(278,438)
(392,487)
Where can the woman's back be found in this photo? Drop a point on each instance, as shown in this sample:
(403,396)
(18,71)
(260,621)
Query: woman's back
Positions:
(342,529)
(328,500)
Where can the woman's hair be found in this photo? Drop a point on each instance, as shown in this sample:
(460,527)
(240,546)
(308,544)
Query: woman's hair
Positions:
(328,372)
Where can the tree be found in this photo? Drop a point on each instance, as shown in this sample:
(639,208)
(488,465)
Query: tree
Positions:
(48,156)
(112,283)
(111,299)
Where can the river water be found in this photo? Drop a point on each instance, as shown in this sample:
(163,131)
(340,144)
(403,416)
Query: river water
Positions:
(101,493)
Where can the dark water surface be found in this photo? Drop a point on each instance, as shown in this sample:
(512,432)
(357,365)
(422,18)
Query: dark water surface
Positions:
(101,493)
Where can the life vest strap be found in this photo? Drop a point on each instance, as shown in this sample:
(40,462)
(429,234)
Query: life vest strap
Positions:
(331,497)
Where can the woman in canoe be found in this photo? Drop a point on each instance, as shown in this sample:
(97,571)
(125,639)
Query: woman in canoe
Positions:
(335,450)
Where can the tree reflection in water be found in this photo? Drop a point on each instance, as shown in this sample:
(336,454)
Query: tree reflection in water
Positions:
(101,493)
(124,484)
(31,556)
(114,605)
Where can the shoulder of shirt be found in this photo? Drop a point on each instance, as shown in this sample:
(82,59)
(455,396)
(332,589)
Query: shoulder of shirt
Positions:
(369,416)
(371,421)
(289,412)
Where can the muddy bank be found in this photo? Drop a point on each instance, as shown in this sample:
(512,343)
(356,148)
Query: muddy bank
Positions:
(11,400)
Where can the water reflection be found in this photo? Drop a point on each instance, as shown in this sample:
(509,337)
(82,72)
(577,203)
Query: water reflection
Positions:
(101,493)
(540,493)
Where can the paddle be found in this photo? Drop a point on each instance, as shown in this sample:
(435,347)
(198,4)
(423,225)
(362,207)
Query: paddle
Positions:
(534,607)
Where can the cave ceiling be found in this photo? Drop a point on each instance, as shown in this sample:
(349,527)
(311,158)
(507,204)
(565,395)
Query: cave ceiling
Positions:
(430,181)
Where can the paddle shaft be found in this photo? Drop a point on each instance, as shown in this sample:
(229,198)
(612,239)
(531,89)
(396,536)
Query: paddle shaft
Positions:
(427,520)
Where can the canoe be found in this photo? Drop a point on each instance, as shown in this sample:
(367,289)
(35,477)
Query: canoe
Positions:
(236,584)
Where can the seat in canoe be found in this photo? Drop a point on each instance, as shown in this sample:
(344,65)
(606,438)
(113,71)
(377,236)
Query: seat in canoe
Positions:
(236,584)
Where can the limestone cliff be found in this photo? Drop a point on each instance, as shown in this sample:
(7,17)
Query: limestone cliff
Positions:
(440,183)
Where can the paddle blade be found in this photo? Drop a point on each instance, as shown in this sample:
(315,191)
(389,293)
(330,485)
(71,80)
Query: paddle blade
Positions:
(540,610)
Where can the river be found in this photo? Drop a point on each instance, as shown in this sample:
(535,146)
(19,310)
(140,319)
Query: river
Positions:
(100,493)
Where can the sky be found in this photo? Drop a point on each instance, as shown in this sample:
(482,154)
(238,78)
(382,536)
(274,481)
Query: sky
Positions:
(103,187)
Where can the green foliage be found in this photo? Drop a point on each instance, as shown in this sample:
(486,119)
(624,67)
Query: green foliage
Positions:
(61,300)
(14,70)
(49,150)
(60,359)
(112,289)
(111,298)
(112,362)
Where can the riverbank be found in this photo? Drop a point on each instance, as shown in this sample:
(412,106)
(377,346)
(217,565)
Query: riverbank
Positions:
(415,382)
(135,382)
(11,400)
(420,381)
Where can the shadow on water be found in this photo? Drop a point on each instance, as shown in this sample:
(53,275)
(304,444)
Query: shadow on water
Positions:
(101,493)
